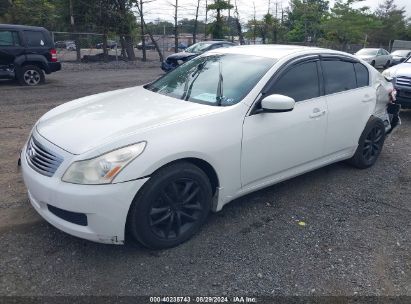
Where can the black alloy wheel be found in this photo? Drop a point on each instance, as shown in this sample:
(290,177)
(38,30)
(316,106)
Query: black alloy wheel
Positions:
(171,206)
(176,209)
(370,144)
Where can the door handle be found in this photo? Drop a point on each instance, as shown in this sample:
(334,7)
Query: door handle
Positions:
(317,113)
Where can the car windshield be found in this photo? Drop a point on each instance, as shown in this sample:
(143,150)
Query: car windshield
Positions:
(402,53)
(217,80)
(367,52)
(198,47)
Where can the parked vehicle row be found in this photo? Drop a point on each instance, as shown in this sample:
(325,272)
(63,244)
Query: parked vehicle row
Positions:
(154,160)
(66,44)
(26,54)
(400,75)
(381,58)
(191,52)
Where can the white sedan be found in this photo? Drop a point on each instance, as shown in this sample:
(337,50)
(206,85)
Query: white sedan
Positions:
(154,160)
(375,57)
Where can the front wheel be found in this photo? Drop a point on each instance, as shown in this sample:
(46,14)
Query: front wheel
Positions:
(369,145)
(373,63)
(171,207)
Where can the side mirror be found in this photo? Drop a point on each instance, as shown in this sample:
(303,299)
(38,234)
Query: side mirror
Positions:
(277,103)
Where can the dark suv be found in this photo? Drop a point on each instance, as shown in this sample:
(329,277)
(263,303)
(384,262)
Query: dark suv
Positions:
(26,53)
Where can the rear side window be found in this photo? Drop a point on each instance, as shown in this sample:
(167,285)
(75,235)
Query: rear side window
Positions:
(339,76)
(362,75)
(35,39)
(9,38)
(300,82)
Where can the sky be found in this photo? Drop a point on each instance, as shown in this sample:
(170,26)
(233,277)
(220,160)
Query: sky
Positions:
(164,10)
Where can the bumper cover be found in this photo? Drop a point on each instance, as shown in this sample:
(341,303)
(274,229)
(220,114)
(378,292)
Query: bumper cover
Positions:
(53,67)
(106,206)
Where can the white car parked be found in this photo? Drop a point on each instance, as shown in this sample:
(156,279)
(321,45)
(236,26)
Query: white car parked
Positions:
(375,57)
(153,160)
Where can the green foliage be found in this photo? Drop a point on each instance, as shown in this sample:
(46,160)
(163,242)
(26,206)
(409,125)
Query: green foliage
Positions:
(305,18)
(217,27)
(348,25)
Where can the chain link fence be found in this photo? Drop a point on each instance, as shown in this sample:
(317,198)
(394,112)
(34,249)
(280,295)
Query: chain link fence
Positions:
(88,47)
(75,46)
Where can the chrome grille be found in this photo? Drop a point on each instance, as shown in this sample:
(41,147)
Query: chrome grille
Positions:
(403,81)
(41,159)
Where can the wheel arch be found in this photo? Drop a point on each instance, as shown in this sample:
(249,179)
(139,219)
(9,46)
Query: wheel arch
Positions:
(202,164)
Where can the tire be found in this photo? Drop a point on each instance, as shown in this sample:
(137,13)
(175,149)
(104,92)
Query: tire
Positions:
(373,63)
(387,65)
(370,144)
(171,207)
(31,75)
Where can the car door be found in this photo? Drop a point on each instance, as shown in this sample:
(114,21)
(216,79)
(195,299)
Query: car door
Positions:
(10,46)
(273,143)
(350,99)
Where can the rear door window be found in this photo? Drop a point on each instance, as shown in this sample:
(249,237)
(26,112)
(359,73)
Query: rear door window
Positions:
(300,82)
(8,38)
(362,75)
(339,76)
(35,39)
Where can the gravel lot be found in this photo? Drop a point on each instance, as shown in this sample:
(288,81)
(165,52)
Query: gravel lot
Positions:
(357,238)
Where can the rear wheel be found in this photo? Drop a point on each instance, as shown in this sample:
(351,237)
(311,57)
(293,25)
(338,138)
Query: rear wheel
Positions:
(31,75)
(369,145)
(171,207)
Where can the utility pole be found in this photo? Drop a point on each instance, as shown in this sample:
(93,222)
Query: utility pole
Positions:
(143,38)
(229,22)
(196,23)
(73,29)
(175,28)
(205,24)
(254,23)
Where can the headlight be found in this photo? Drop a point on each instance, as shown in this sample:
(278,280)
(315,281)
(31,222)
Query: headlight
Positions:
(104,168)
(388,74)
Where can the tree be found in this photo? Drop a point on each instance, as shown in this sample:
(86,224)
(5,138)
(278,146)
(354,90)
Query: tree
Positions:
(393,23)
(144,26)
(347,25)
(217,29)
(305,18)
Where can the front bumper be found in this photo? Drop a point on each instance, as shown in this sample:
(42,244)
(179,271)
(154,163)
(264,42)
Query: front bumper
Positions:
(403,97)
(105,206)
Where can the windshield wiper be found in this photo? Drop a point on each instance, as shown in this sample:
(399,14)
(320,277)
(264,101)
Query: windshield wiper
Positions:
(187,89)
(220,94)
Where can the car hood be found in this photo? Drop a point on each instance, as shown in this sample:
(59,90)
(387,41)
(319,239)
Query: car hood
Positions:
(403,69)
(92,121)
(182,55)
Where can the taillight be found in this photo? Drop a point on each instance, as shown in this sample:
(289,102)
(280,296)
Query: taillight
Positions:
(53,54)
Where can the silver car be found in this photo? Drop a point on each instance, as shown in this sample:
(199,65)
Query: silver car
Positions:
(375,57)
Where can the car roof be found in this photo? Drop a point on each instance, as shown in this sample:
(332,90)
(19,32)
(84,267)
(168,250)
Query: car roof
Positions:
(21,27)
(215,41)
(275,51)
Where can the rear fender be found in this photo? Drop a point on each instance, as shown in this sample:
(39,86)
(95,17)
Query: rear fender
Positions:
(33,59)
